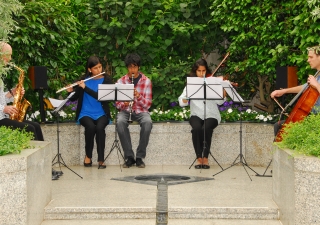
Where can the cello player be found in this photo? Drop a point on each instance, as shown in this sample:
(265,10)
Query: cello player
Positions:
(314,62)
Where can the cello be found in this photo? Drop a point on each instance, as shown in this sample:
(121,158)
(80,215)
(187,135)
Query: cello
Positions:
(302,108)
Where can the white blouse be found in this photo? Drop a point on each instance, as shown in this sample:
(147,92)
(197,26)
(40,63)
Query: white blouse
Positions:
(197,107)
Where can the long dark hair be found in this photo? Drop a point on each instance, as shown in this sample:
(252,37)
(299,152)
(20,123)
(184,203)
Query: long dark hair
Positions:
(91,62)
(199,62)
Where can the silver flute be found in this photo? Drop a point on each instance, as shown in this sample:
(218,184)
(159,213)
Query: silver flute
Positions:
(75,84)
(131,103)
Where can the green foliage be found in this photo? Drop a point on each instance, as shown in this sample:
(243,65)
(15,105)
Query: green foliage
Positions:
(303,136)
(14,140)
(8,8)
(266,34)
(168,35)
(48,35)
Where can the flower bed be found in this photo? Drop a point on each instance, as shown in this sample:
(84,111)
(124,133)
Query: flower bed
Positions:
(230,112)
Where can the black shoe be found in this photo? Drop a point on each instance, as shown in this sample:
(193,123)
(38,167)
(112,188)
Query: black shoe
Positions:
(140,163)
(205,166)
(57,173)
(102,166)
(87,164)
(198,166)
(55,177)
(130,162)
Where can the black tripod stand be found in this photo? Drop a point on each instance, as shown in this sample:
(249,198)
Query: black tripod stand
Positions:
(115,92)
(204,85)
(58,156)
(115,145)
(242,161)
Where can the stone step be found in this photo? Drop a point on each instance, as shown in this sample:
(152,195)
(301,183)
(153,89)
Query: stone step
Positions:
(170,222)
(98,213)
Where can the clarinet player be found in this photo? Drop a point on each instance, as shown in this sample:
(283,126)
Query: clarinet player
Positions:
(137,110)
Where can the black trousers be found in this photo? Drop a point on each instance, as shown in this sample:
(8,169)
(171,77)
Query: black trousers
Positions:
(29,126)
(197,131)
(94,128)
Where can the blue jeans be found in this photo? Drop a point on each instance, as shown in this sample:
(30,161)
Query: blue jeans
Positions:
(145,123)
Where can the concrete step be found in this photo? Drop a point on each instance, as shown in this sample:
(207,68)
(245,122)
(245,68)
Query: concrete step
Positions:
(170,222)
(87,213)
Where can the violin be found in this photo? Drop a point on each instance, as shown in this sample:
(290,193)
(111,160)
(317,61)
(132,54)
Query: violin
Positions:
(223,77)
(302,108)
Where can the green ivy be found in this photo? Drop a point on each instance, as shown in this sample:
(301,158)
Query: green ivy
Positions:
(14,140)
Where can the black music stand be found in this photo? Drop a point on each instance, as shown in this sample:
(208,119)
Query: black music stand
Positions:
(236,98)
(115,92)
(58,155)
(203,89)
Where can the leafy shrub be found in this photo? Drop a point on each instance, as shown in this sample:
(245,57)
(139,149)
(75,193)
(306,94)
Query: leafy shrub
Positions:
(13,140)
(303,136)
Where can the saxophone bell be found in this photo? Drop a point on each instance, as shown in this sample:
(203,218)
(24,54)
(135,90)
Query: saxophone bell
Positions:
(18,100)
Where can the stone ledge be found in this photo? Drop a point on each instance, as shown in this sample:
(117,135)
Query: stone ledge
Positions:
(171,144)
(25,185)
(296,187)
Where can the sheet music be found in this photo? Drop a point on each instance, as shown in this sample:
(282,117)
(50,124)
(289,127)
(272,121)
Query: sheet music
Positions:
(231,91)
(195,88)
(118,92)
(55,102)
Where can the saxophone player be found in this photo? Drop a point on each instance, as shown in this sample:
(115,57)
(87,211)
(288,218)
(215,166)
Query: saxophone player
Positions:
(6,97)
(136,111)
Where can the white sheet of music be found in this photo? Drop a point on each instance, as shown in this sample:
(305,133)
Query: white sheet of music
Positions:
(195,88)
(233,94)
(107,92)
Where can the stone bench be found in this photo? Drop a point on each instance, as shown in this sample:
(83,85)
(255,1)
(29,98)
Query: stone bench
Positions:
(25,185)
(170,143)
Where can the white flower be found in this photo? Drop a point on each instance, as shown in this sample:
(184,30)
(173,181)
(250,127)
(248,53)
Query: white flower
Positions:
(230,110)
(160,112)
(151,113)
(248,110)
(261,117)
(36,113)
(265,119)
(63,114)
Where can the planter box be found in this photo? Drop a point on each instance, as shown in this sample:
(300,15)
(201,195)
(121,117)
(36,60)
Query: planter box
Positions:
(296,187)
(170,143)
(25,187)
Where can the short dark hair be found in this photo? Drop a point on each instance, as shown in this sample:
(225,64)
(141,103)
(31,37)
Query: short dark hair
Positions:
(132,59)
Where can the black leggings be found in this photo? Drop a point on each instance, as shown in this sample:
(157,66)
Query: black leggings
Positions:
(95,128)
(198,134)
(29,126)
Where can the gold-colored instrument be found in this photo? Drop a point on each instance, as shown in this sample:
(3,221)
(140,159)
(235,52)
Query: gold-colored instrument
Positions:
(75,84)
(19,101)
(131,103)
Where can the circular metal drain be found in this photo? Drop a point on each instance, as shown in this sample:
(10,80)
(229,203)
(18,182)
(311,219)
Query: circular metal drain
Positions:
(158,177)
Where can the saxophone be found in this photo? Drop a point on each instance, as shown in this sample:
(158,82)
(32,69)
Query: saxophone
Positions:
(19,102)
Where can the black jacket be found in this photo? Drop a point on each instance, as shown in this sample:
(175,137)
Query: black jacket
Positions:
(79,92)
